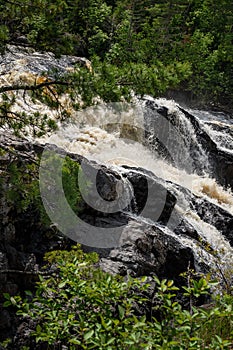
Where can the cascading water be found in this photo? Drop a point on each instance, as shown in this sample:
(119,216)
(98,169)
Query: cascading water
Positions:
(117,140)
(183,148)
(219,127)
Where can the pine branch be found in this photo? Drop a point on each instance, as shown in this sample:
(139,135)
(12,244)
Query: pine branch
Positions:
(31,87)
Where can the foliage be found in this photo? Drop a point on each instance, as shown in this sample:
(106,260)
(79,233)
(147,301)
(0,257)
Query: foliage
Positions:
(70,182)
(22,178)
(139,45)
(112,83)
(23,185)
(83,307)
(23,123)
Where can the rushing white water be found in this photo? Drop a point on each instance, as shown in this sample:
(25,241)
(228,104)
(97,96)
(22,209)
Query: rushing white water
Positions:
(222,134)
(116,138)
(106,147)
(114,135)
(121,134)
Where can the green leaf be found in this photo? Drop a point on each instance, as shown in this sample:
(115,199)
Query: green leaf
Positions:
(38,329)
(62,284)
(7,303)
(170,283)
(121,311)
(13,301)
(6,296)
(111,341)
(75,341)
(28,293)
(88,335)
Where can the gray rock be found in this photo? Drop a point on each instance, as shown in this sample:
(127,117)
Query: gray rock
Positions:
(146,250)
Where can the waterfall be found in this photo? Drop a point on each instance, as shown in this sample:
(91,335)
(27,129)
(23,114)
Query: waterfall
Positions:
(131,138)
(187,153)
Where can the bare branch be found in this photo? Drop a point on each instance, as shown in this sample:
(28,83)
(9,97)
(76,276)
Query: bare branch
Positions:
(19,272)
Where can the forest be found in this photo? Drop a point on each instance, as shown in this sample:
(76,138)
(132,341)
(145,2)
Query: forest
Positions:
(146,46)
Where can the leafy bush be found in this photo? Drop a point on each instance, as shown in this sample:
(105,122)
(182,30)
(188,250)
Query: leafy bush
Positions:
(81,307)
(23,188)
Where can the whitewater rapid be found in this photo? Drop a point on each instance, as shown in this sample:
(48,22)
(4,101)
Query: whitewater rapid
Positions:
(83,136)
(117,138)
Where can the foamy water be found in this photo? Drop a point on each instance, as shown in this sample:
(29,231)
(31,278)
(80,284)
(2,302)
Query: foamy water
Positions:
(109,148)
(114,134)
(114,144)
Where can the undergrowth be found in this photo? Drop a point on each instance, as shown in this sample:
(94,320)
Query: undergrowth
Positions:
(79,306)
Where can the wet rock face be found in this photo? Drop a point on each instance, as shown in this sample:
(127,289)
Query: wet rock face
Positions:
(204,152)
(207,211)
(152,200)
(148,250)
(216,216)
(24,239)
(221,162)
(138,192)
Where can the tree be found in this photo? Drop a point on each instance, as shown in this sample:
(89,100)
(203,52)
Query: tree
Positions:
(183,44)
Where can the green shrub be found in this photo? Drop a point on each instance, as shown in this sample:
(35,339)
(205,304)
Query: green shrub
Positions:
(82,307)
